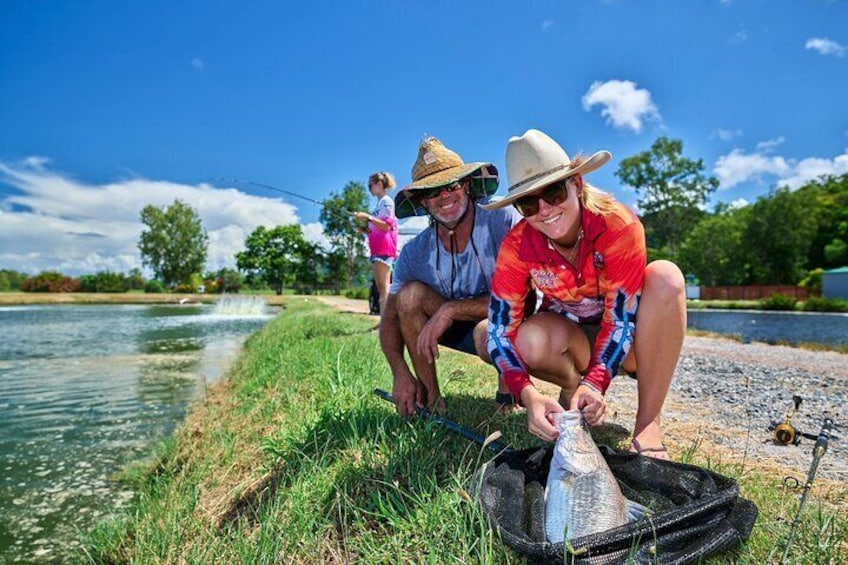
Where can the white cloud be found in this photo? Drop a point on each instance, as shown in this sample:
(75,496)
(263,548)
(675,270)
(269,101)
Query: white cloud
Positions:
(769,145)
(727,134)
(55,222)
(198,64)
(623,105)
(738,167)
(547,24)
(739,203)
(825,46)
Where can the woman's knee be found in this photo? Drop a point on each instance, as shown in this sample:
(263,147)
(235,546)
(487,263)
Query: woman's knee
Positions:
(664,279)
(533,343)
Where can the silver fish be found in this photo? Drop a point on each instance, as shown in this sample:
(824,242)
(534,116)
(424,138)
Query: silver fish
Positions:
(582,496)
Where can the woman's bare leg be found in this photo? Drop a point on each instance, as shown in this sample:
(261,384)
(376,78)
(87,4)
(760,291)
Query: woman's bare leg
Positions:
(382,277)
(660,328)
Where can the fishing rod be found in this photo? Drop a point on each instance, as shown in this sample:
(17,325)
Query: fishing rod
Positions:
(341,216)
(464,431)
(274,188)
(819,449)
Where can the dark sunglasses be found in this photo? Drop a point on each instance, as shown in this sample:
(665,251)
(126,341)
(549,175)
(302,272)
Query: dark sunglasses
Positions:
(553,194)
(427,193)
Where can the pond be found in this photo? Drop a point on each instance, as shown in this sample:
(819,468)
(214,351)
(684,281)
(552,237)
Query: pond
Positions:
(774,327)
(86,389)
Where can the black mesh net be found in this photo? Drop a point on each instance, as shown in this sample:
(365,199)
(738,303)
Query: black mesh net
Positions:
(694,512)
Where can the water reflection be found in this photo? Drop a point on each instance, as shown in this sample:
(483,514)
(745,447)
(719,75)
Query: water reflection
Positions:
(84,390)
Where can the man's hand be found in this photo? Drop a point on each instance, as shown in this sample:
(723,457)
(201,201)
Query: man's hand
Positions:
(409,394)
(539,413)
(431,333)
(591,403)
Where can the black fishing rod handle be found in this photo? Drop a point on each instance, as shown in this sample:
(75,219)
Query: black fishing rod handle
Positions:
(824,436)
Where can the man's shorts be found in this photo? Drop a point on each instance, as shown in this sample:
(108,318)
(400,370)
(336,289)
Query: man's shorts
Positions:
(460,336)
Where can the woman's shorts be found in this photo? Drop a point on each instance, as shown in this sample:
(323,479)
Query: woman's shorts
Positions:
(385,259)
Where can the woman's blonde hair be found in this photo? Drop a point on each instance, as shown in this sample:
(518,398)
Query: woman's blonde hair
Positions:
(387,180)
(593,198)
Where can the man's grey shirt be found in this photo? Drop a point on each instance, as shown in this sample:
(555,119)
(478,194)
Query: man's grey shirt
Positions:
(462,275)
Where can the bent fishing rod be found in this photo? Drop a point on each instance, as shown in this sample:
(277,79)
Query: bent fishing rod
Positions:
(464,431)
(284,191)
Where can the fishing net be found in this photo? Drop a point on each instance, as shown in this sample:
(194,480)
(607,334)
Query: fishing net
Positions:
(694,512)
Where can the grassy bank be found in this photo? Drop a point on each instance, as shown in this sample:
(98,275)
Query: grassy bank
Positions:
(294,460)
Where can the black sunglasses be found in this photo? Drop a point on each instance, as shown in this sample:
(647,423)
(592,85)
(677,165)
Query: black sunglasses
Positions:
(427,193)
(553,194)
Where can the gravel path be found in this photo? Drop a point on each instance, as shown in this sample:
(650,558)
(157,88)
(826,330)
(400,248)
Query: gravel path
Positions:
(725,394)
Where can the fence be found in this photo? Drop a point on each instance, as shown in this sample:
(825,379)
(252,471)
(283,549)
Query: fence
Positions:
(751,292)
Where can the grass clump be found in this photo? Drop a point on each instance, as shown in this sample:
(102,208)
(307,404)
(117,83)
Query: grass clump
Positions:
(293,459)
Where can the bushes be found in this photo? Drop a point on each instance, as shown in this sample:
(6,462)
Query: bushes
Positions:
(778,302)
(105,281)
(821,304)
(358,293)
(51,281)
(153,287)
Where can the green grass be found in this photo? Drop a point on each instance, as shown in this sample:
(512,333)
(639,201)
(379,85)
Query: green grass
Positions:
(293,459)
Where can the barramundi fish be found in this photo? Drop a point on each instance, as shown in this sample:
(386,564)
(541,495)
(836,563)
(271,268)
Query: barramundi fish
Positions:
(582,496)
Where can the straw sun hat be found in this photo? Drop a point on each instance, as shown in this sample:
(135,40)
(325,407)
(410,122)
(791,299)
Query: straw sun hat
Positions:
(437,165)
(534,161)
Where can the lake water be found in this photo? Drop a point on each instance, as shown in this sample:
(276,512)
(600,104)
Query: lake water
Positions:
(774,327)
(86,389)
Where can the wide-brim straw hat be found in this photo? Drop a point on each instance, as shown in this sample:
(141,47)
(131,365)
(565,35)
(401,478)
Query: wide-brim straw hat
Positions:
(534,160)
(437,165)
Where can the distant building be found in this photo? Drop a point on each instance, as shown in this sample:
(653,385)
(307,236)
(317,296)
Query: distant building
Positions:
(835,283)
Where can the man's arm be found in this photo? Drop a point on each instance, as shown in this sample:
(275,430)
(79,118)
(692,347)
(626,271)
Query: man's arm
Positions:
(468,309)
(407,391)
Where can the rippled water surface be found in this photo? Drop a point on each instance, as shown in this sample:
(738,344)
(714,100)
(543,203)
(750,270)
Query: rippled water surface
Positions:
(85,389)
(774,327)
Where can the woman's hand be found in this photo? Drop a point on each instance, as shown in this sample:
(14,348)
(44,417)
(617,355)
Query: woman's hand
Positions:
(362,216)
(591,403)
(539,413)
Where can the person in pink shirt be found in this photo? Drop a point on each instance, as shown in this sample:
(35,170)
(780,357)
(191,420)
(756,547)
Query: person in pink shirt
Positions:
(382,232)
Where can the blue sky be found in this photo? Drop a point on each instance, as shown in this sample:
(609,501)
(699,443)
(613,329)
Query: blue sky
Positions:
(108,106)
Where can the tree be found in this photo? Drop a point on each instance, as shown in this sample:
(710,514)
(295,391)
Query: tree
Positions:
(342,230)
(11,279)
(174,243)
(135,279)
(672,191)
(713,250)
(277,256)
(778,235)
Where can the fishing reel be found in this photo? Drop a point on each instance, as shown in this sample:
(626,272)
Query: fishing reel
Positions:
(785,433)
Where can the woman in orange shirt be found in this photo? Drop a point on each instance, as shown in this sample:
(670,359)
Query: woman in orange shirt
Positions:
(583,254)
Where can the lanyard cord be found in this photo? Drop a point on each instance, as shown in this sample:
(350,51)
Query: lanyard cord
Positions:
(448,290)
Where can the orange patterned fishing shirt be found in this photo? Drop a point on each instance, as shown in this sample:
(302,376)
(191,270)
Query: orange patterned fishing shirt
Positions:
(604,288)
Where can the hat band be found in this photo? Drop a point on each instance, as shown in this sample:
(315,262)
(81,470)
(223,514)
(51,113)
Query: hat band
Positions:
(538,176)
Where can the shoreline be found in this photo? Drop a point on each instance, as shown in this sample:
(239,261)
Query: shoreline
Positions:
(166,298)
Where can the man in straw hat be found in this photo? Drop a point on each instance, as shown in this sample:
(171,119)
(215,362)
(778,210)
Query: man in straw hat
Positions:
(442,281)
(584,255)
